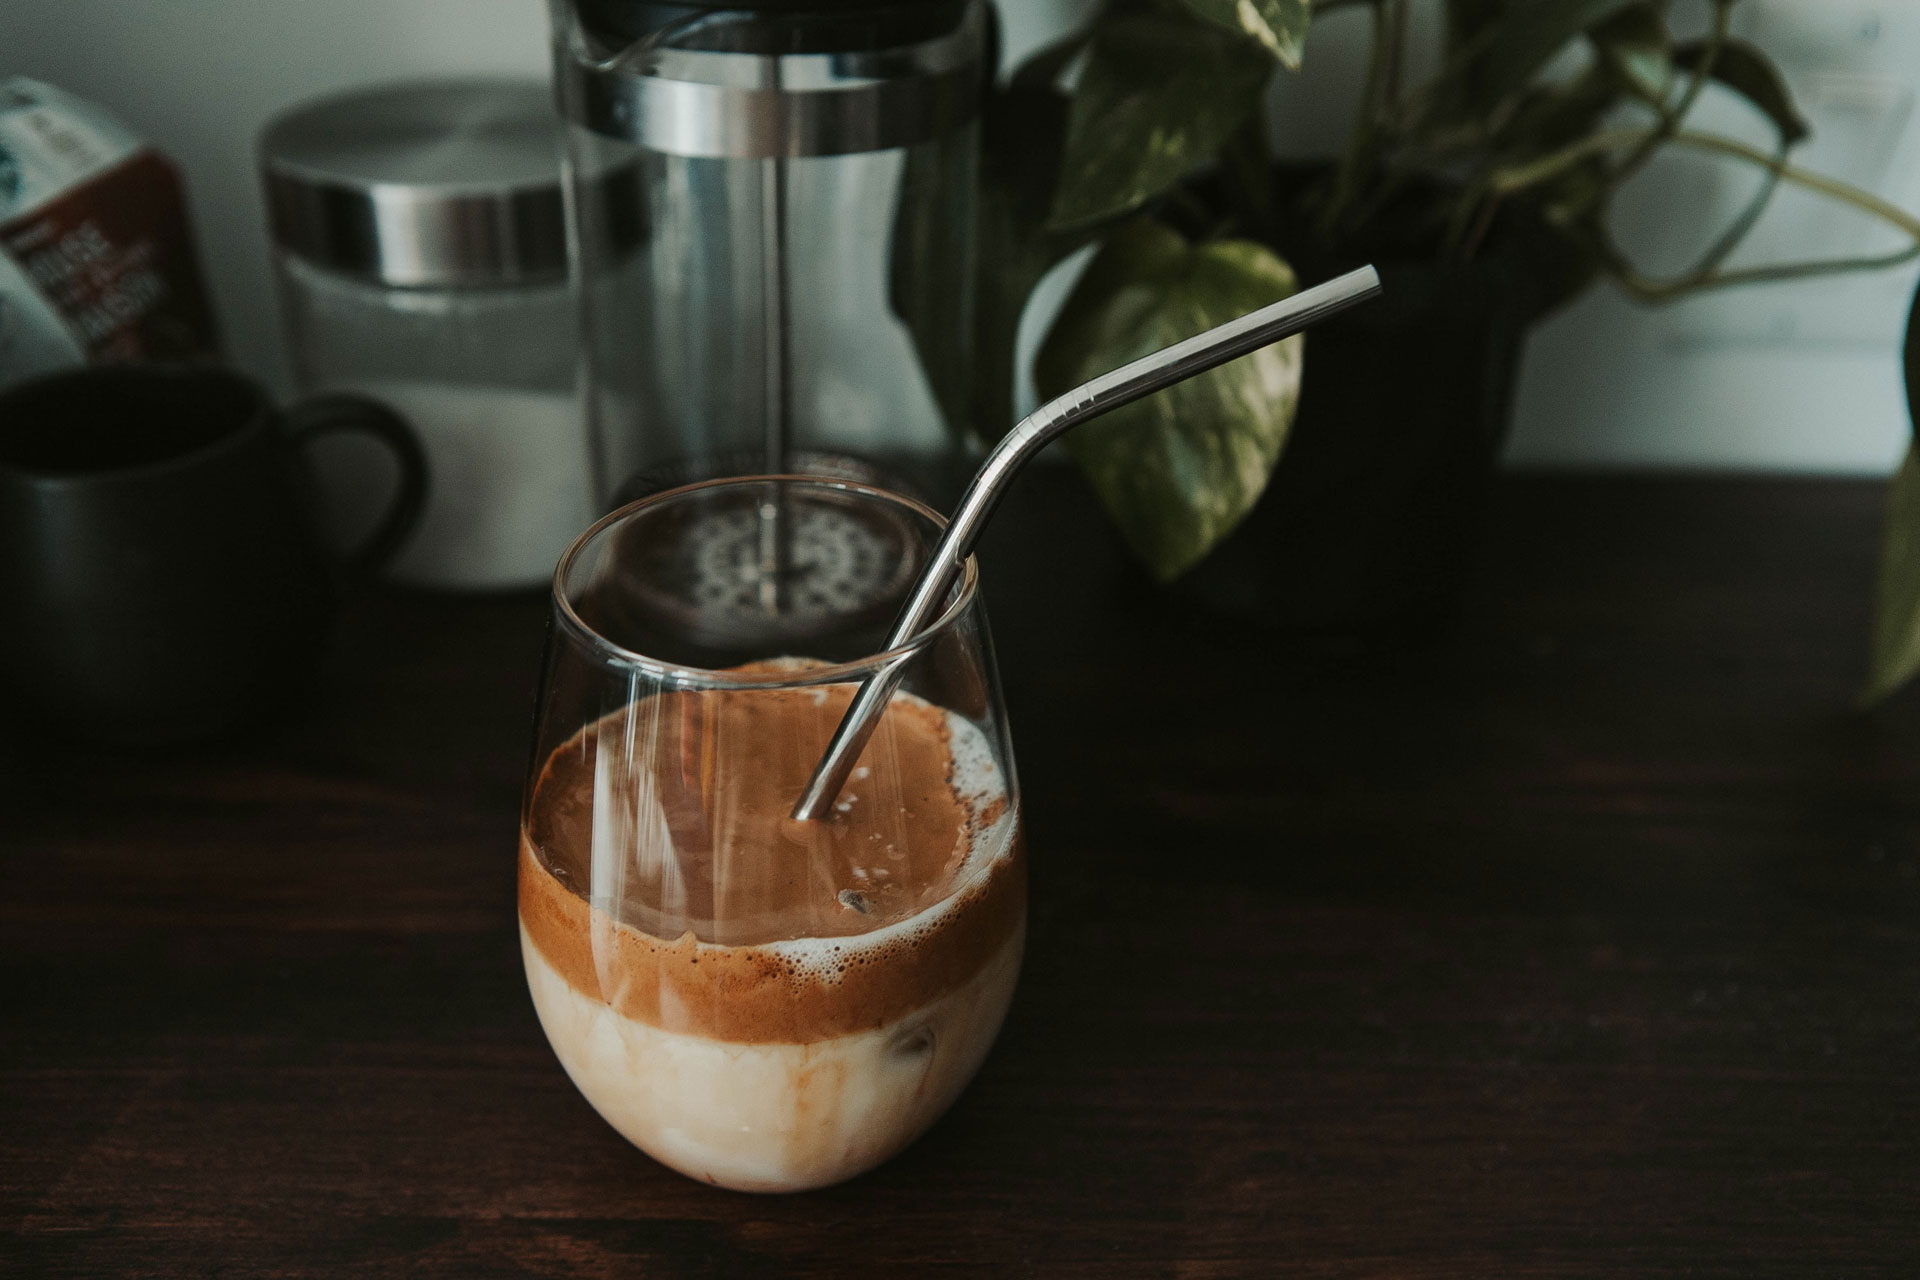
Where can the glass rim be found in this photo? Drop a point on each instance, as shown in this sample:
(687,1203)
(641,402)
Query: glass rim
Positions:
(709,677)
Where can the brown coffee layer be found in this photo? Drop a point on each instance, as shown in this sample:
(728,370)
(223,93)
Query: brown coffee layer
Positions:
(690,950)
(690,792)
(755,994)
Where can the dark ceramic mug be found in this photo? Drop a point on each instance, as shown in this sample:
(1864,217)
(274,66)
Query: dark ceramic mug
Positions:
(162,572)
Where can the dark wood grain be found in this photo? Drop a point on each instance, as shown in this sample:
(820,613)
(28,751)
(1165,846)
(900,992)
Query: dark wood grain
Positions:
(1588,943)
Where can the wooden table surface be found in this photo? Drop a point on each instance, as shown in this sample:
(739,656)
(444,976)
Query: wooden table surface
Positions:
(1586,944)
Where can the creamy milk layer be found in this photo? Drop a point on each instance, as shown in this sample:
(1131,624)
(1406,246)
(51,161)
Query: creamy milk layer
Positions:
(759,1003)
(773,1117)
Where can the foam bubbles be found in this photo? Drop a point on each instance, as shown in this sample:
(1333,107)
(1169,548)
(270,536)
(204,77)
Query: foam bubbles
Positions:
(981,786)
(977,782)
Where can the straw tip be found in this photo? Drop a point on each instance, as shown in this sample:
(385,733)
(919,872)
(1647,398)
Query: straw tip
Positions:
(1365,278)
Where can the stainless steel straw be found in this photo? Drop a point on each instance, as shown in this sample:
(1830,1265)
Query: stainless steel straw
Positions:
(1109,391)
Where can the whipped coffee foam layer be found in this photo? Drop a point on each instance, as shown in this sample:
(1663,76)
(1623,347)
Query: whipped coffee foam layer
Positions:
(715,914)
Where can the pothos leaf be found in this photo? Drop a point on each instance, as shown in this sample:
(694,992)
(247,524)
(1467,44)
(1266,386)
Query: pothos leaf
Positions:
(1278,26)
(1896,610)
(1466,19)
(1179,469)
(1023,129)
(1751,74)
(1158,95)
(1635,44)
(1895,655)
(1508,53)
(1468,25)
(1550,116)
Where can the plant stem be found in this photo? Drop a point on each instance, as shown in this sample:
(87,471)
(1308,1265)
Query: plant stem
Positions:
(1709,276)
(1457,63)
(1247,165)
(1479,203)
(1395,31)
(1671,120)
(1737,230)
(1833,188)
(1706,274)
(1649,289)
(1042,69)
(1366,126)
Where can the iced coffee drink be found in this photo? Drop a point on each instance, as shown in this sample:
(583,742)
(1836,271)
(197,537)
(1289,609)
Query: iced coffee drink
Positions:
(759,1002)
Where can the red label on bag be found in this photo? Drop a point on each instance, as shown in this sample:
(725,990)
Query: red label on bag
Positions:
(114,257)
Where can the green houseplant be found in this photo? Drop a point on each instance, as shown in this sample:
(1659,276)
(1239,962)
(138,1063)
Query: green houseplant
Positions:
(1894,653)
(1483,189)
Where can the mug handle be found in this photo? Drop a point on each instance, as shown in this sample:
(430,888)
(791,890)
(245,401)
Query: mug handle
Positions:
(339,412)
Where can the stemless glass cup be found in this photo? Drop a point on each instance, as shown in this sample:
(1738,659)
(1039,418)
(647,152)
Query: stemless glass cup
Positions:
(755,1001)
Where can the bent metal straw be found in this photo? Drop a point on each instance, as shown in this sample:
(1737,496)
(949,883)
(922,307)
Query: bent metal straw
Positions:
(1107,392)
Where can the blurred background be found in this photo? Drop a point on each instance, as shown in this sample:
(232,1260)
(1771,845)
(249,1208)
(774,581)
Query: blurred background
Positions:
(1429,865)
(1798,377)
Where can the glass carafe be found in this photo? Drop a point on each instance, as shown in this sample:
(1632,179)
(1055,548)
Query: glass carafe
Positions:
(802,296)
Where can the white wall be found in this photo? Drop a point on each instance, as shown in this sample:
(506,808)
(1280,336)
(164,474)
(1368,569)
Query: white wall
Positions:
(199,78)
(1800,376)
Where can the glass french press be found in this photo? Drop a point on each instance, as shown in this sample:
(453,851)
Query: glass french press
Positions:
(800,299)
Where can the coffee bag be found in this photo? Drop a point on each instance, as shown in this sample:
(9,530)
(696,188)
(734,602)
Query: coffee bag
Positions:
(96,259)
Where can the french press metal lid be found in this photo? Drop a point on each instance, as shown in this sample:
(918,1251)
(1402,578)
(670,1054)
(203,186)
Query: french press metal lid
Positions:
(773,78)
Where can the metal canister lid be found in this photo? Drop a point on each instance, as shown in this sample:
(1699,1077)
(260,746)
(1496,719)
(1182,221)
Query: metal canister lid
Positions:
(439,183)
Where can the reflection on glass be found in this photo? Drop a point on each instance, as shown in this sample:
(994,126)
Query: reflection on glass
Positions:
(759,1002)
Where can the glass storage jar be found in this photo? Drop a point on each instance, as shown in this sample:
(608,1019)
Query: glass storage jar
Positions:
(421,248)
